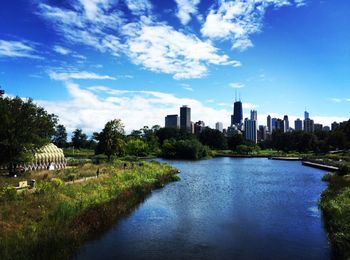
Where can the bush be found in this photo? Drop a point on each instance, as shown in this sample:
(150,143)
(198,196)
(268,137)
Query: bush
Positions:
(344,169)
(327,177)
(56,182)
(42,187)
(8,193)
(185,149)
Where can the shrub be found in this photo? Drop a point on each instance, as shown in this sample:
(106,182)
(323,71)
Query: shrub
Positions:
(42,187)
(327,177)
(344,169)
(8,193)
(56,182)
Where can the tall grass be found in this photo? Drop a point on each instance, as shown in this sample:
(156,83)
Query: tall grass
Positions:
(56,219)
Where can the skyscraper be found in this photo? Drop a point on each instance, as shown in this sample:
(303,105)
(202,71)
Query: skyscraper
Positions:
(298,125)
(309,125)
(334,126)
(172,121)
(237,117)
(199,127)
(250,130)
(285,124)
(269,124)
(185,118)
(306,115)
(318,127)
(219,126)
(253,115)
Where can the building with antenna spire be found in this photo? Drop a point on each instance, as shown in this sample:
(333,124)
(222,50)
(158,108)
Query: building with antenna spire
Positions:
(237,117)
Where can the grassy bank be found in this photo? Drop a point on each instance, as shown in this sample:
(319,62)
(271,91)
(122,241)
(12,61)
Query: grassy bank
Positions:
(335,205)
(56,219)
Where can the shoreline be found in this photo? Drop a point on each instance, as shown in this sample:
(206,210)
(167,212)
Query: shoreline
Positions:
(62,229)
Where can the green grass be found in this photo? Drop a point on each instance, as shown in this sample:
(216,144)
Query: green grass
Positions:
(56,219)
(335,205)
(78,153)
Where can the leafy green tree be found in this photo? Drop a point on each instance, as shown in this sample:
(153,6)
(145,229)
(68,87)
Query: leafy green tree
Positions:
(213,138)
(59,138)
(111,139)
(136,147)
(24,127)
(79,139)
(184,149)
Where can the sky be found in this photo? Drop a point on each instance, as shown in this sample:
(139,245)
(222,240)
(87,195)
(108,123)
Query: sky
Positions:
(91,61)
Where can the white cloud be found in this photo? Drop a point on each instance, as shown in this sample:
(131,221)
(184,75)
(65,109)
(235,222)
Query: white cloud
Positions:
(186,86)
(160,48)
(17,49)
(249,106)
(336,100)
(185,9)
(139,7)
(155,46)
(88,110)
(77,75)
(348,99)
(237,20)
(61,50)
(236,85)
(86,23)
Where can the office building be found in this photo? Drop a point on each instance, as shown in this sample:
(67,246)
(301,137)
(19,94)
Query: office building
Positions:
(262,133)
(279,125)
(298,125)
(219,126)
(253,115)
(199,127)
(318,127)
(334,126)
(306,115)
(172,121)
(269,124)
(326,128)
(273,121)
(237,117)
(250,130)
(285,124)
(185,118)
(309,125)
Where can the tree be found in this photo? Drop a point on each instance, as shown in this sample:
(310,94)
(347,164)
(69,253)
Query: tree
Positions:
(79,139)
(136,147)
(24,127)
(59,138)
(111,139)
(213,138)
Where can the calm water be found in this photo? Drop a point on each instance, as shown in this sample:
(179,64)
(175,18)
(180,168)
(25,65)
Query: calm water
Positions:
(224,208)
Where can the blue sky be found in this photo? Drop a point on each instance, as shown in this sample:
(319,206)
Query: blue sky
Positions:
(90,61)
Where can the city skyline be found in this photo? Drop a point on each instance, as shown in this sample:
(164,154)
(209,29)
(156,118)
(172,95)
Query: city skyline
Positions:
(291,57)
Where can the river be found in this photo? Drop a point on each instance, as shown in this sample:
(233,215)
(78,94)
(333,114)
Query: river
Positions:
(224,208)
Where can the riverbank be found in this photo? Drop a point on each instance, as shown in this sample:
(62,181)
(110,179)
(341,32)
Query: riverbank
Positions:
(56,219)
(335,205)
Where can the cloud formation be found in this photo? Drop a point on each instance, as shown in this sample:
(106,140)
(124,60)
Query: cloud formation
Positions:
(186,8)
(18,49)
(237,20)
(64,76)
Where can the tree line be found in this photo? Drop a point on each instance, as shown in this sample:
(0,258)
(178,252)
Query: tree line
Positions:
(26,126)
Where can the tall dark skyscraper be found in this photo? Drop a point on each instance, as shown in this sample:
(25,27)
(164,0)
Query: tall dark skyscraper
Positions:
(237,117)
(185,118)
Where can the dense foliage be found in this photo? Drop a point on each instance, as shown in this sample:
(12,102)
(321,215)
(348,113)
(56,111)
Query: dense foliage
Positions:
(184,149)
(24,127)
(59,137)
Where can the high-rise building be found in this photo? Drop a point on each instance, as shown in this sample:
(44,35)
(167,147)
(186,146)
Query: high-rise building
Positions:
(253,115)
(285,124)
(237,117)
(219,126)
(318,127)
(269,124)
(199,127)
(279,124)
(185,118)
(250,130)
(274,122)
(309,125)
(298,125)
(334,126)
(306,115)
(172,121)
(262,133)
(326,128)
